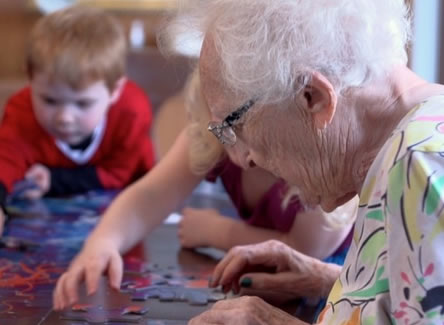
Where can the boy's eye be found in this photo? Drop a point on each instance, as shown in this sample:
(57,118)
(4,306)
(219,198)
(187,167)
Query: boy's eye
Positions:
(84,104)
(49,100)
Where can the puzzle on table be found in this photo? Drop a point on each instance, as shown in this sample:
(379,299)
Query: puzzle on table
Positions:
(100,315)
(41,239)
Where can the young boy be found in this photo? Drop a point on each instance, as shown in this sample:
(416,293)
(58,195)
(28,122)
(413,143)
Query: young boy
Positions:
(80,124)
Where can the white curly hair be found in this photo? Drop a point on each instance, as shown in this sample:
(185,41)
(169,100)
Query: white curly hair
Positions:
(267,47)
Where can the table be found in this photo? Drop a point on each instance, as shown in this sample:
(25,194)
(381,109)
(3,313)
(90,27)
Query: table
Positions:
(54,230)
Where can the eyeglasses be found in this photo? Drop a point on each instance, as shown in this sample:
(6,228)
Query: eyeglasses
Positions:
(224,131)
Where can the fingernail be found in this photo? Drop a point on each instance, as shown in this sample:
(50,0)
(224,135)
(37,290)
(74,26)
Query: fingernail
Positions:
(246,282)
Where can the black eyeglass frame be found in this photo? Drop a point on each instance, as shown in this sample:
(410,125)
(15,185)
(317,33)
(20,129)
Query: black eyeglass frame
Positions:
(223,131)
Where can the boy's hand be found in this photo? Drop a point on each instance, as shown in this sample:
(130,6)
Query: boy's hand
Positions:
(41,176)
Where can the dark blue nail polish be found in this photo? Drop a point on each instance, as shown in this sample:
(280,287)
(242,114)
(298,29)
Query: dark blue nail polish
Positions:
(246,282)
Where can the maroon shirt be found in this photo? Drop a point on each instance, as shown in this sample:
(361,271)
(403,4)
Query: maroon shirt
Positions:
(268,213)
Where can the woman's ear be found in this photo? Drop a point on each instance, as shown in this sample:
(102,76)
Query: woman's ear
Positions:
(115,94)
(320,100)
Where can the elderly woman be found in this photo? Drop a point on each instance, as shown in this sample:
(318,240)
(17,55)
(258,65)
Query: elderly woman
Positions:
(318,93)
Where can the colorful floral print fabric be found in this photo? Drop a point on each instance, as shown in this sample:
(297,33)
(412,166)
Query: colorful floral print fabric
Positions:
(394,271)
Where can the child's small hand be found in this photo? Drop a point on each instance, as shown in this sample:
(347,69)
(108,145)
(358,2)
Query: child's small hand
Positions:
(98,256)
(197,227)
(41,176)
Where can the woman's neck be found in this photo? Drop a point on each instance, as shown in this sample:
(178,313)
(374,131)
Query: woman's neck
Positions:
(380,108)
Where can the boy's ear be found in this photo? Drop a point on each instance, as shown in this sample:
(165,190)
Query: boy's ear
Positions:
(320,100)
(115,94)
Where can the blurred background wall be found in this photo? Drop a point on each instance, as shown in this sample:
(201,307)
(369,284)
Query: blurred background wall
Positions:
(428,44)
(159,77)
(163,78)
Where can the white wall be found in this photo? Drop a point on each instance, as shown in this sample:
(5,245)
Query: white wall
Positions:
(427,36)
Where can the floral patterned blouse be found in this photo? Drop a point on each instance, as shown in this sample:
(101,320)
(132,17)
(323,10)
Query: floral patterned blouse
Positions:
(394,271)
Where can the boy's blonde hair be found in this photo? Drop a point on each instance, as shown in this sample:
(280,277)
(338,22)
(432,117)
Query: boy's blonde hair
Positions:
(78,45)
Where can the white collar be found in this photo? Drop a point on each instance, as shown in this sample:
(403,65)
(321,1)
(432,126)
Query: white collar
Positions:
(81,157)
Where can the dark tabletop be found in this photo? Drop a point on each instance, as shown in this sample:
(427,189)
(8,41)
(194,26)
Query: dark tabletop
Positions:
(42,237)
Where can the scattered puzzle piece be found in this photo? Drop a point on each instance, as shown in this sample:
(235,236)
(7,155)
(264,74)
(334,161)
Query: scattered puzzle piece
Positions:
(81,307)
(136,266)
(98,315)
(193,297)
(135,310)
(21,187)
(197,298)
(216,296)
(17,243)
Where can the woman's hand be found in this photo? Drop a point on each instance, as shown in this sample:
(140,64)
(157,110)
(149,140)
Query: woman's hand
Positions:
(244,311)
(97,257)
(274,267)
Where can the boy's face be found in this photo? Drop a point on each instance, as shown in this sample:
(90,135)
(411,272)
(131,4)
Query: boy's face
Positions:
(67,114)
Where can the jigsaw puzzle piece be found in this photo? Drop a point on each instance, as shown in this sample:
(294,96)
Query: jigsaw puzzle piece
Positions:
(135,310)
(99,315)
(197,298)
(17,243)
(21,187)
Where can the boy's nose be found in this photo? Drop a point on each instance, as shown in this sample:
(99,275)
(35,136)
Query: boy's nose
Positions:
(65,115)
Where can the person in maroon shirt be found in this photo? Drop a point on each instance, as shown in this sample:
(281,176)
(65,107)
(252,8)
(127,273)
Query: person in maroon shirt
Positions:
(79,124)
